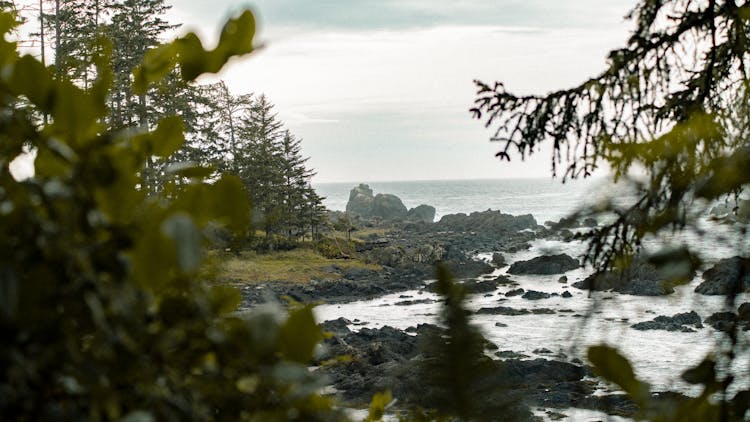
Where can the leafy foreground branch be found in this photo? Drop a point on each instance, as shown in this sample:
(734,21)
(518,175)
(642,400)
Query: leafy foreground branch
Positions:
(101,313)
(671,107)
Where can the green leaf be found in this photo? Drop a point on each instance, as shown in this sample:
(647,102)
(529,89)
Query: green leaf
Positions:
(190,169)
(168,136)
(612,366)
(156,64)
(32,79)
(299,335)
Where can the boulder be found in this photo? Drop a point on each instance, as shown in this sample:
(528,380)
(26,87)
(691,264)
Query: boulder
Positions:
(640,279)
(363,204)
(547,264)
(677,322)
(425,213)
(515,292)
(535,295)
(498,260)
(488,222)
(728,276)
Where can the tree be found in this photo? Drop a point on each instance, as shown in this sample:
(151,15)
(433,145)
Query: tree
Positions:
(673,102)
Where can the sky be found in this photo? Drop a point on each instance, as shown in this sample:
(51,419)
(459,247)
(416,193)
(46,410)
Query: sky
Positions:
(380,89)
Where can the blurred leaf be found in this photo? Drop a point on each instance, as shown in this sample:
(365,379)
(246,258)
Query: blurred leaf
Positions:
(378,405)
(612,366)
(168,136)
(299,335)
(187,240)
(225,299)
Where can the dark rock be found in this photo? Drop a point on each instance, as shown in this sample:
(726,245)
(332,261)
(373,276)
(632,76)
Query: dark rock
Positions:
(362,203)
(590,222)
(542,351)
(424,213)
(563,279)
(484,286)
(509,354)
(414,302)
(566,294)
(515,292)
(549,264)
(489,222)
(728,276)
(722,321)
(542,311)
(535,295)
(503,280)
(743,312)
(640,279)
(503,310)
(677,322)
(468,268)
(498,260)
(500,325)
(338,327)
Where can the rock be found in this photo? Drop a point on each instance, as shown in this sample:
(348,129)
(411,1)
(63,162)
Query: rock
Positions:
(562,279)
(509,354)
(641,279)
(468,268)
(515,292)
(363,204)
(677,322)
(500,325)
(743,312)
(722,321)
(503,310)
(542,351)
(535,295)
(484,286)
(728,276)
(548,264)
(504,280)
(488,222)
(424,213)
(590,222)
(338,327)
(498,260)
(414,302)
(566,294)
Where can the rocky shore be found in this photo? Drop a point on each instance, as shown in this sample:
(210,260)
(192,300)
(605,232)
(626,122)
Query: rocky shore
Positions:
(408,247)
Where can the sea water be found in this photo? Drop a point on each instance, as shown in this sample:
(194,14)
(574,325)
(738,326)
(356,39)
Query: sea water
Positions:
(658,357)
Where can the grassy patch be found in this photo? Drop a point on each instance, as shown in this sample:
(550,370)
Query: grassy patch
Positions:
(297,266)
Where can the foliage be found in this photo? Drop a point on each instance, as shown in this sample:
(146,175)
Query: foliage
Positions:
(672,105)
(456,370)
(101,314)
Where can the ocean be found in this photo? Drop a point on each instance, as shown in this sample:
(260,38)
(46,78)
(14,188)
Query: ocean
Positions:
(659,357)
(546,199)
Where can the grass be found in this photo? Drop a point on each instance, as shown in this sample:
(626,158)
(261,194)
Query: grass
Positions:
(297,266)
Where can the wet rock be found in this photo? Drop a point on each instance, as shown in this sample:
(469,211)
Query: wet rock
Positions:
(515,292)
(563,279)
(509,354)
(498,260)
(535,295)
(722,321)
(641,279)
(590,222)
(542,351)
(504,280)
(484,286)
(503,310)
(677,322)
(728,276)
(414,302)
(566,294)
(338,327)
(500,325)
(548,264)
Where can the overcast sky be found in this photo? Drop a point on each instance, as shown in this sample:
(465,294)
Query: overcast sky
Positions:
(380,89)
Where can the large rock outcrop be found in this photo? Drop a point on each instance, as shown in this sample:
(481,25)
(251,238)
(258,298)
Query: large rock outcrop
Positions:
(548,264)
(363,203)
(728,276)
(490,222)
(640,279)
